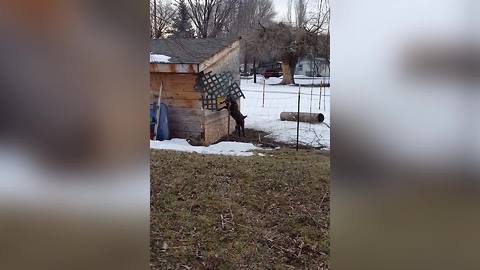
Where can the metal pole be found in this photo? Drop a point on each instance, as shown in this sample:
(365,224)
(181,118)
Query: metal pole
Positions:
(324,98)
(311,99)
(320,99)
(313,80)
(254,70)
(298,116)
(263,102)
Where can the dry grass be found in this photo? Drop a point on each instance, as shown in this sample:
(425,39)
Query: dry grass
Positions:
(217,212)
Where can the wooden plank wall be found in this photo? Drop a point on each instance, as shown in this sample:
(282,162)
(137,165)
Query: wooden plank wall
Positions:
(216,126)
(230,62)
(186,116)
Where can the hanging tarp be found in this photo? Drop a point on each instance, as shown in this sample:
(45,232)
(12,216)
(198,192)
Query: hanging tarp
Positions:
(163,130)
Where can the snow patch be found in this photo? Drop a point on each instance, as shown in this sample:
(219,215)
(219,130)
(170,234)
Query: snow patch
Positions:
(284,98)
(222,148)
(299,79)
(159,58)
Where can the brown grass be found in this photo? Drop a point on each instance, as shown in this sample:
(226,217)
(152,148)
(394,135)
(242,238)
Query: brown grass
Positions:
(217,212)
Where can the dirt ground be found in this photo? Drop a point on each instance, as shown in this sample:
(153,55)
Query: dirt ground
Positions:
(262,139)
(260,212)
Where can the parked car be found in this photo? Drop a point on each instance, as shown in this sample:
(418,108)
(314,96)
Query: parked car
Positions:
(273,69)
(272,73)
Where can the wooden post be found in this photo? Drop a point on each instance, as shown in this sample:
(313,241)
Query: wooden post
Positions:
(324,98)
(298,116)
(263,101)
(228,129)
(312,73)
(311,98)
(157,115)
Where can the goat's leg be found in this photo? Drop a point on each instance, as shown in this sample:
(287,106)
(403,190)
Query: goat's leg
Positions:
(243,131)
(237,128)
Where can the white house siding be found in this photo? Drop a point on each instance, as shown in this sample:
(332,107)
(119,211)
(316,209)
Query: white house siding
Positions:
(320,67)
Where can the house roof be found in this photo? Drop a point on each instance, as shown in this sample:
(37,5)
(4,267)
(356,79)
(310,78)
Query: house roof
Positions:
(188,51)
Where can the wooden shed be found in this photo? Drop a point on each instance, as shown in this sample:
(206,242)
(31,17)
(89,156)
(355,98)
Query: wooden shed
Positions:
(176,66)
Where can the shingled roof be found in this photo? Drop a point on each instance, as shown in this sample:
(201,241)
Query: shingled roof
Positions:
(188,51)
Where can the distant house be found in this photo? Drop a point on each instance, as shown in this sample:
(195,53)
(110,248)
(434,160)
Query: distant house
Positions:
(185,67)
(313,67)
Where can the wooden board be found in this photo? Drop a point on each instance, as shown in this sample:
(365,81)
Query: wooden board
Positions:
(217,129)
(232,49)
(173,68)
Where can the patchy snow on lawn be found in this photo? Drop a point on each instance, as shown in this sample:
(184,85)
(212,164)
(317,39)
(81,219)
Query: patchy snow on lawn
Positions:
(222,148)
(284,98)
(159,58)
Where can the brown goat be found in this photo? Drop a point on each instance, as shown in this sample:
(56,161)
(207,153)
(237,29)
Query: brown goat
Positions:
(233,109)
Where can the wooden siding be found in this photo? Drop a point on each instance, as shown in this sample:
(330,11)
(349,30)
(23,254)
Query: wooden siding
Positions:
(216,126)
(174,68)
(184,103)
(225,62)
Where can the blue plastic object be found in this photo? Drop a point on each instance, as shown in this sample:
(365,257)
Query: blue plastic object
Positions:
(163,132)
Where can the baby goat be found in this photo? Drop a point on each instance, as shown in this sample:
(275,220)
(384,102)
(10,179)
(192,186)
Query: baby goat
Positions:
(231,106)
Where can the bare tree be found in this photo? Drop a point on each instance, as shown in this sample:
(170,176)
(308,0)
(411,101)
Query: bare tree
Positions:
(253,12)
(289,11)
(288,43)
(248,18)
(319,21)
(161,16)
(210,17)
(300,13)
(280,39)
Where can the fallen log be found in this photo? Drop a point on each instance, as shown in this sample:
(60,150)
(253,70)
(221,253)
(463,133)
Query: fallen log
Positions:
(304,117)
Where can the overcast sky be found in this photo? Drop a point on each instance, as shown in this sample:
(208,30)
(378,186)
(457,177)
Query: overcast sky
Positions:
(281,8)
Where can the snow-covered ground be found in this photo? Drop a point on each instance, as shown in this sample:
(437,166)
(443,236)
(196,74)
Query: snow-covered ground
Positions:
(284,98)
(278,98)
(222,148)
